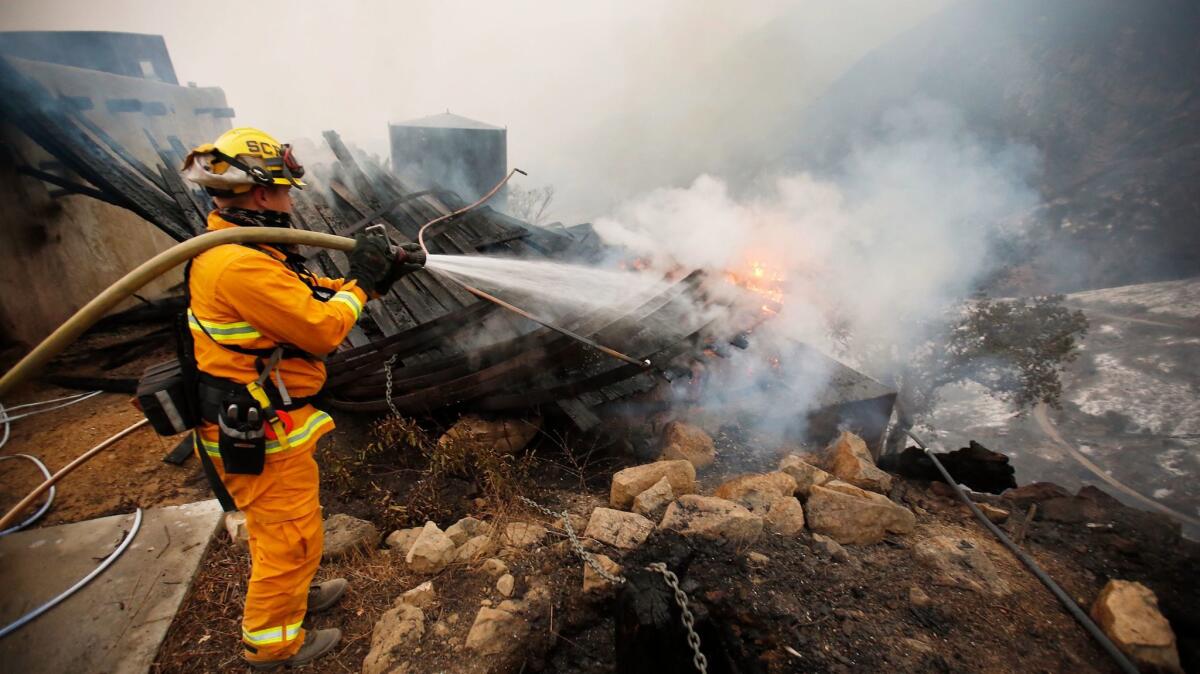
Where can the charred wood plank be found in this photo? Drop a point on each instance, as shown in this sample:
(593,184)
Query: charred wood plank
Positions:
(83,383)
(351,365)
(73,187)
(354,171)
(45,119)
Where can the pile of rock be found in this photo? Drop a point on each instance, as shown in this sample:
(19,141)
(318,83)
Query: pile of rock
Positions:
(428,550)
(840,495)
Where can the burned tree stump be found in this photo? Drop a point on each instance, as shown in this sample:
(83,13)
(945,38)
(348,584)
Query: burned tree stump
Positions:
(649,634)
(976,466)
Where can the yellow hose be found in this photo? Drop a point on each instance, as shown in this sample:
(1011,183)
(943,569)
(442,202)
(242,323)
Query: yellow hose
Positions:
(156,266)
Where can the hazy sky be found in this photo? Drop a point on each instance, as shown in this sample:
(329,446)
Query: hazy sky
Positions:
(605,100)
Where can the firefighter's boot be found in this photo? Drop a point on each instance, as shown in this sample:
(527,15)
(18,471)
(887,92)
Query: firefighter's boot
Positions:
(316,644)
(322,596)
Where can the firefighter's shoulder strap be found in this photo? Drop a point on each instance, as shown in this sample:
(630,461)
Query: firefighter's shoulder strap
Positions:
(186,352)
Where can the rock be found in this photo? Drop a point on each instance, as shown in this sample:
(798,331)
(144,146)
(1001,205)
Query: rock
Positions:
(474,548)
(498,632)
(402,539)
(849,460)
(785,516)
(714,519)
(1035,492)
(994,514)
(653,502)
(506,584)
(851,515)
(494,567)
(830,548)
(758,559)
(235,525)
(1071,510)
(1128,613)
(440,630)
(523,534)
(910,645)
(505,435)
(594,582)
(577,521)
(617,528)
(688,442)
(958,562)
(432,550)
(757,491)
(465,529)
(628,483)
(804,473)
(943,490)
(917,597)
(421,596)
(345,534)
(394,636)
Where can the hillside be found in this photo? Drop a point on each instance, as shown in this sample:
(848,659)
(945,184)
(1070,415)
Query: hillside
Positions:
(1104,90)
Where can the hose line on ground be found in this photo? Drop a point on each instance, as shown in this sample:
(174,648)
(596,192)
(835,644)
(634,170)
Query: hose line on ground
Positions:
(32,496)
(49,497)
(29,617)
(1067,602)
(7,420)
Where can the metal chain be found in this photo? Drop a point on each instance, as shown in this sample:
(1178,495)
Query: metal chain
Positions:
(575,542)
(689,621)
(681,598)
(387,370)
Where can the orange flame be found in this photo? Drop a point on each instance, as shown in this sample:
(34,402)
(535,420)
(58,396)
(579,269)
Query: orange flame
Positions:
(763,279)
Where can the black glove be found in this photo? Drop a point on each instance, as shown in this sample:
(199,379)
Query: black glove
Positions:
(410,258)
(372,263)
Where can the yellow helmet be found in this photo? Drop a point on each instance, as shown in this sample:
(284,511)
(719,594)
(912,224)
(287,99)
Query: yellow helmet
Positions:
(240,159)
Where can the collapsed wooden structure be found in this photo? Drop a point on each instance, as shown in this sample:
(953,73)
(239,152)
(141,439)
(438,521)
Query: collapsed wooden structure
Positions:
(428,344)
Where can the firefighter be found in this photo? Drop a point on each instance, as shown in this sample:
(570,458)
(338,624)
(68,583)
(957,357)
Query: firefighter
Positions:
(260,324)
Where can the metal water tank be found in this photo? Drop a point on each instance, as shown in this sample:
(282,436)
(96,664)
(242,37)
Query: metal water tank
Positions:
(451,152)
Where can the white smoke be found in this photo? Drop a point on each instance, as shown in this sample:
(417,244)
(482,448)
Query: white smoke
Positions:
(880,247)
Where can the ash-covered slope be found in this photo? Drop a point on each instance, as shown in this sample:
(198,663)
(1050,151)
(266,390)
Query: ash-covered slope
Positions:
(1108,91)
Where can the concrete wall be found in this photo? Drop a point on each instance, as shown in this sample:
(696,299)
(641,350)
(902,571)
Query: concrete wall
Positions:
(57,252)
(129,54)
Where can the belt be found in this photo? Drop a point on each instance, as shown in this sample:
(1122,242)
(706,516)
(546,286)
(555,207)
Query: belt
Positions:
(212,392)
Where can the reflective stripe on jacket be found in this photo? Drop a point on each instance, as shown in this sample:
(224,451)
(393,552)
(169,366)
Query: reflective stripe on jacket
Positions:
(247,297)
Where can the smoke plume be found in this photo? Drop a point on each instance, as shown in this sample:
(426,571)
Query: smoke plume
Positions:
(877,249)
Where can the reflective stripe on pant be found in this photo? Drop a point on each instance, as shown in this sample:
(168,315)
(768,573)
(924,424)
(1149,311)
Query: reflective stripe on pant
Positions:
(283,521)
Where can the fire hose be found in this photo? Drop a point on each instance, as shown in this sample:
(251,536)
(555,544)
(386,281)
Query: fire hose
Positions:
(160,264)
(84,318)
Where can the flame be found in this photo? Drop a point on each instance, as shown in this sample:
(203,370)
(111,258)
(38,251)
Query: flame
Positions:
(762,278)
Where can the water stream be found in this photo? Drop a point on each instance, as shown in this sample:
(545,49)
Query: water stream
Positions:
(559,286)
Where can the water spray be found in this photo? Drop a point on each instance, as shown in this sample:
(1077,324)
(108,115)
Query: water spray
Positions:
(506,305)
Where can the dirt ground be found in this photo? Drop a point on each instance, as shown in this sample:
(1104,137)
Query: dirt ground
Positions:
(129,474)
(799,612)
